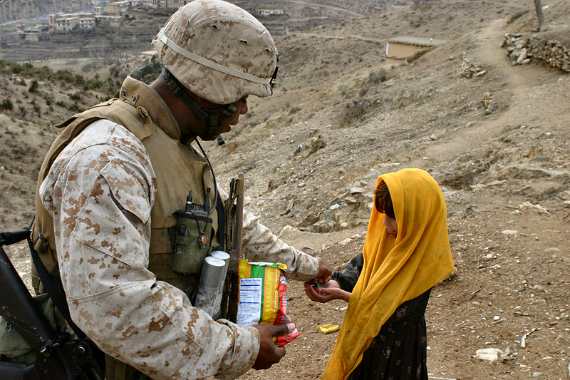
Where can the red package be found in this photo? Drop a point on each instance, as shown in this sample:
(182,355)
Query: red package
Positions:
(282,317)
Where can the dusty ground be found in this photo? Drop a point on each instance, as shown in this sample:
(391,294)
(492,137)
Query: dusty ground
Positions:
(498,143)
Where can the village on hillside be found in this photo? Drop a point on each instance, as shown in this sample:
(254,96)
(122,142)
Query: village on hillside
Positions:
(36,30)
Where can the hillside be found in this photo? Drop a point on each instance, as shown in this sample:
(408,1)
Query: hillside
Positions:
(499,143)
(32,100)
(341,115)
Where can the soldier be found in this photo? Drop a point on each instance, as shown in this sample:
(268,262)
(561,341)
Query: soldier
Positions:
(113,181)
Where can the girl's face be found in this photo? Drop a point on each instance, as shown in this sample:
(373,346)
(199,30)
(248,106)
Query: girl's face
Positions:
(391,226)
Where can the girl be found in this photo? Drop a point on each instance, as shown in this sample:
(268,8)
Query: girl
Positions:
(406,253)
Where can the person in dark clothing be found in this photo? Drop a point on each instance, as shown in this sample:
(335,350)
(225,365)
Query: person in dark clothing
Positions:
(406,253)
(402,337)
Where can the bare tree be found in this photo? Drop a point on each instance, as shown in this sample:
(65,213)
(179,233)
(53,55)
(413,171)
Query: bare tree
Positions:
(536,15)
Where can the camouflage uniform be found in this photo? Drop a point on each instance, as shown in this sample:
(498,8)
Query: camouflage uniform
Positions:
(100,191)
(109,189)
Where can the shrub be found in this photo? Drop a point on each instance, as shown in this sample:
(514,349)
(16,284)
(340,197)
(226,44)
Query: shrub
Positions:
(354,111)
(79,80)
(16,69)
(74,107)
(294,110)
(6,105)
(37,109)
(64,76)
(94,84)
(33,86)
(375,77)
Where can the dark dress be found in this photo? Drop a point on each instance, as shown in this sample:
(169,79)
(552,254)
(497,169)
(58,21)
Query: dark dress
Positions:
(398,352)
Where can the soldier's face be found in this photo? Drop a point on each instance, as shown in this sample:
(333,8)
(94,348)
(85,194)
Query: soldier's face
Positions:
(226,120)
(241,109)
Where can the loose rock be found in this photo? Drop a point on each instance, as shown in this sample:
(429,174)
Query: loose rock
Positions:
(489,354)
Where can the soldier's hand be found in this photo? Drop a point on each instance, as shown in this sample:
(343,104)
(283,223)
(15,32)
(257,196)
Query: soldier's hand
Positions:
(324,273)
(269,352)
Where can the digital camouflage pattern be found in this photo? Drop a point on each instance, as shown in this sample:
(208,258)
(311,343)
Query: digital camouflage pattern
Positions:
(223,34)
(100,192)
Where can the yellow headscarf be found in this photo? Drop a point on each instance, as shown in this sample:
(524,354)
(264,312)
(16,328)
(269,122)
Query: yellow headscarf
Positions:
(395,270)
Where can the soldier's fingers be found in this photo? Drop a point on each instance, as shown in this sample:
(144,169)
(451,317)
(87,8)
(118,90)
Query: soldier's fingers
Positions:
(278,330)
(279,352)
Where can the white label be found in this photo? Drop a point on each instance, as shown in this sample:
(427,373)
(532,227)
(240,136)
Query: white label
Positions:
(249,310)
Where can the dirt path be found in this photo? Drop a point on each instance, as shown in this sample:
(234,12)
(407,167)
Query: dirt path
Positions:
(331,7)
(517,83)
(490,53)
(343,37)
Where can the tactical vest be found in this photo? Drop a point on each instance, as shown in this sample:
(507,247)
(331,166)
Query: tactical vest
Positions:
(178,169)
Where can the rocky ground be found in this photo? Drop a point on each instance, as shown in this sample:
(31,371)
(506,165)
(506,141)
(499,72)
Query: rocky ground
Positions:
(494,135)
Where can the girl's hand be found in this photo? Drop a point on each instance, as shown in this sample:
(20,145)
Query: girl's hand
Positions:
(325,292)
(334,294)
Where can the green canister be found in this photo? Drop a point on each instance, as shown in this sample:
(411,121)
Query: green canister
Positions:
(193,238)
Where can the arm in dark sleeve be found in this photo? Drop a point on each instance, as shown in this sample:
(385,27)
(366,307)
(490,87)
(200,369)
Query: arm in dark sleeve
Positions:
(348,275)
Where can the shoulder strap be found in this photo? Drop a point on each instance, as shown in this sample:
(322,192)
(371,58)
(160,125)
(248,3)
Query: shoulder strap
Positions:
(87,357)
(73,359)
(53,287)
(13,237)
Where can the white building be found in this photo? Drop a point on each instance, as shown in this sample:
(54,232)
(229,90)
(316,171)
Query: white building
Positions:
(268,12)
(31,35)
(169,4)
(109,20)
(66,23)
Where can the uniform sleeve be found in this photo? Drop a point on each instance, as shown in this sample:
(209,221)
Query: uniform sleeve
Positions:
(101,204)
(348,275)
(261,244)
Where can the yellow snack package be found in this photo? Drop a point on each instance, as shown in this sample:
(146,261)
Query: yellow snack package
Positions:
(263,297)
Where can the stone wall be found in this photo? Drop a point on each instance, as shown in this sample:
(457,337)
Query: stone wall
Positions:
(523,50)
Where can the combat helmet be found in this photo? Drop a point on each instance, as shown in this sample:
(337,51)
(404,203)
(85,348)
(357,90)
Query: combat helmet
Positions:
(218,51)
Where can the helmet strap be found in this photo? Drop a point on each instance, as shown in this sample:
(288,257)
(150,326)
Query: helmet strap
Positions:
(210,118)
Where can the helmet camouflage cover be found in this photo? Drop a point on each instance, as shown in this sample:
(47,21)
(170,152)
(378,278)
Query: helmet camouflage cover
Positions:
(218,51)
